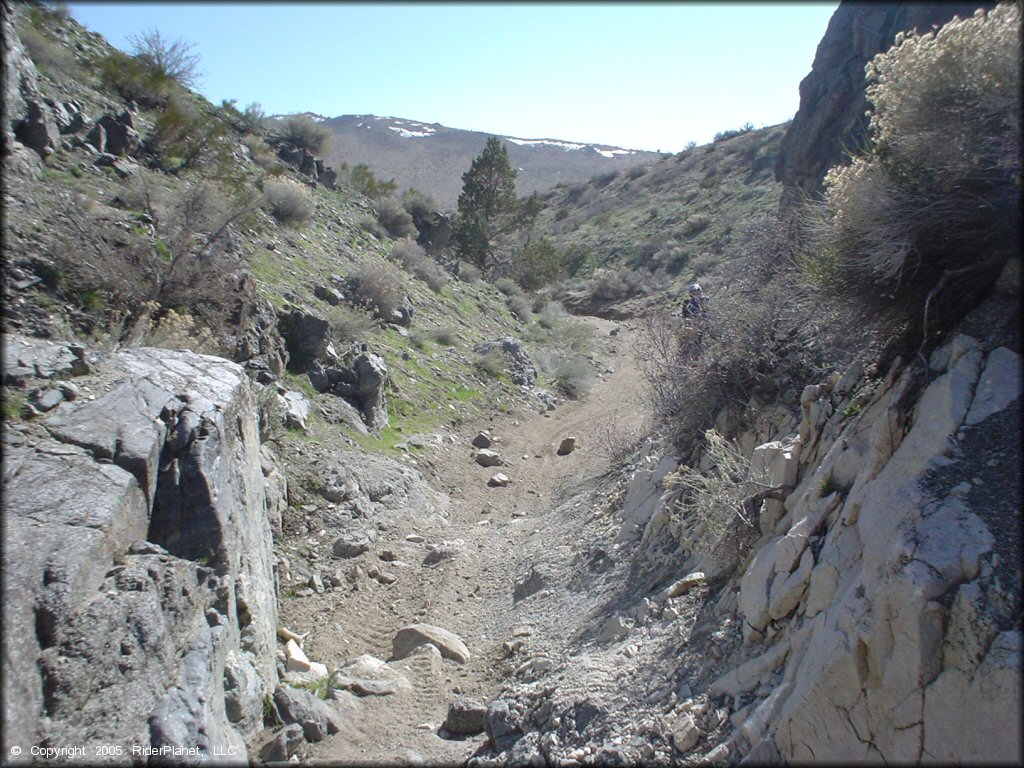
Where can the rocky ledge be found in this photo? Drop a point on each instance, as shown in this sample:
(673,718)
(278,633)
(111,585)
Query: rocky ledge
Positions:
(139,604)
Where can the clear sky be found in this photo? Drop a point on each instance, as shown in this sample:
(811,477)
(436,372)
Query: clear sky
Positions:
(641,76)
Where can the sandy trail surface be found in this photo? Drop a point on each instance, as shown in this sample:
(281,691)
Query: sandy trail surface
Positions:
(499,533)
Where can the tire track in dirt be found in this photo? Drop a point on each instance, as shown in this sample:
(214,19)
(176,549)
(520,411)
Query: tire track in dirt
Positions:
(503,531)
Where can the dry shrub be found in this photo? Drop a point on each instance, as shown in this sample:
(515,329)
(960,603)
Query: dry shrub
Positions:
(394,218)
(552,314)
(305,133)
(377,288)
(263,155)
(469,273)
(288,202)
(172,59)
(507,286)
(370,224)
(619,284)
(349,323)
(618,438)
(572,373)
(520,306)
(178,257)
(722,498)
(762,335)
(446,336)
(490,366)
(696,224)
(414,259)
(174,330)
(933,207)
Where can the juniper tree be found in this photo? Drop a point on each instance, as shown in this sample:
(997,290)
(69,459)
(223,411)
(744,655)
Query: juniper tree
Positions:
(488,207)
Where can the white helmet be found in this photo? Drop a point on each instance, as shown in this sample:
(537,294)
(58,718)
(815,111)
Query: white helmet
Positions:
(695,288)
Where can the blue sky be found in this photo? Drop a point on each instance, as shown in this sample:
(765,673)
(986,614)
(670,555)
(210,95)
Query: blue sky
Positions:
(641,76)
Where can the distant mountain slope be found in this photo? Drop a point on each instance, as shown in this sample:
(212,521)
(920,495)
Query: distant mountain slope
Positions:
(433,157)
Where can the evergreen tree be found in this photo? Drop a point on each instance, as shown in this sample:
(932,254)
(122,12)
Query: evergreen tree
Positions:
(488,207)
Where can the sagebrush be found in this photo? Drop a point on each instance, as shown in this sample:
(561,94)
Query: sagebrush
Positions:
(932,208)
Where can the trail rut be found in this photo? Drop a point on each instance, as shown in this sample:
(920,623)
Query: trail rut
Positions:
(503,531)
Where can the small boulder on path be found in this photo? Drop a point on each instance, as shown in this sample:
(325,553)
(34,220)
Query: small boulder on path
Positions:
(446,550)
(482,440)
(568,446)
(317,718)
(488,458)
(350,545)
(369,676)
(411,637)
(466,717)
(498,481)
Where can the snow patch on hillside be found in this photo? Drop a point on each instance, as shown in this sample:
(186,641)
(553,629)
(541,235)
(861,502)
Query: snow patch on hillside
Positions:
(570,146)
(406,133)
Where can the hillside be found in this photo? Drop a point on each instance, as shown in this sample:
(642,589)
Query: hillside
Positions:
(433,157)
(661,226)
(279,486)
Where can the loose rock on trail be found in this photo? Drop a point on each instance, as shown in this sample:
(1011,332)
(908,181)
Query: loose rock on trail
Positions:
(470,590)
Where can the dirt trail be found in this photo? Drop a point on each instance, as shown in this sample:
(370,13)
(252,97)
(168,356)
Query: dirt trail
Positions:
(499,532)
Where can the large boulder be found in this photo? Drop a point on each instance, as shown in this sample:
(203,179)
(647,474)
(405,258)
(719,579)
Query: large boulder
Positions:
(411,637)
(115,135)
(139,591)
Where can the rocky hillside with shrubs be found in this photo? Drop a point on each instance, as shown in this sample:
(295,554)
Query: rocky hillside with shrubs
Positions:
(264,425)
(654,229)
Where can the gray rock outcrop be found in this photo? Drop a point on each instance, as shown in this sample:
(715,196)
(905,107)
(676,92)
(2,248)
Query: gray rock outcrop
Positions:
(307,337)
(882,603)
(139,603)
(522,371)
(26,119)
(115,135)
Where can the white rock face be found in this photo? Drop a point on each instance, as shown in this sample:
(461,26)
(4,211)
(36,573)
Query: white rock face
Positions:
(887,628)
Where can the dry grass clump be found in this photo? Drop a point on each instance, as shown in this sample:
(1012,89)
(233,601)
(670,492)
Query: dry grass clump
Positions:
(349,323)
(288,202)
